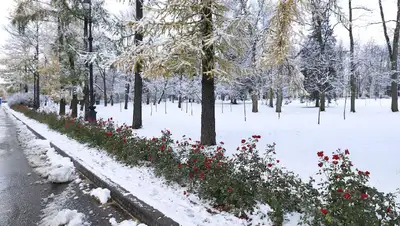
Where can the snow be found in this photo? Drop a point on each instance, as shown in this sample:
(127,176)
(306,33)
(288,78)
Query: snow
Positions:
(55,213)
(101,194)
(113,222)
(44,159)
(370,135)
(68,217)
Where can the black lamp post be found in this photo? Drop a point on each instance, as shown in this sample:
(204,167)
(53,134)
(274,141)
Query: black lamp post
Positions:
(87,5)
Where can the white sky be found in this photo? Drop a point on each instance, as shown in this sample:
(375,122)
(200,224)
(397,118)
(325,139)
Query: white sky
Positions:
(362,32)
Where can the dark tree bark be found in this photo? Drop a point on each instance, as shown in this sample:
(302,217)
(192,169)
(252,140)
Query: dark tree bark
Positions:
(127,90)
(104,88)
(271,98)
(137,103)
(393,54)
(279,101)
(322,105)
(180,101)
(36,99)
(254,103)
(74,106)
(234,101)
(207,80)
(353,88)
(317,101)
(62,107)
(148,98)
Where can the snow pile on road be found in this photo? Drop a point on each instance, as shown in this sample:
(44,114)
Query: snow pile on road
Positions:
(113,222)
(55,213)
(101,194)
(68,217)
(44,159)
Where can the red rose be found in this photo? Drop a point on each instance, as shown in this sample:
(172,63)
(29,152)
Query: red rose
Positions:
(360,172)
(364,196)
(347,152)
(230,190)
(335,162)
(320,154)
(277,161)
(339,190)
(326,158)
(324,211)
(184,193)
(388,210)
(243,141)
(269,165)
(335,157)
(320,164)
(367,173)
(346,196)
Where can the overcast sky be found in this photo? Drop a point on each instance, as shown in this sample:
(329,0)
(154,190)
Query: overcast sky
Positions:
(362,32)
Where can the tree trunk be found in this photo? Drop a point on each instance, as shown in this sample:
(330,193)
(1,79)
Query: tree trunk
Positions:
(127,90)
(148,98)
(36,102)
(180,101)
(317,101)
(353,87)
(233,101)
(62,107)
(207,81)
(322,105)
(86,100)
(137,103)
(271,98)
(105,89)
(74,105)
(279,100)
(393,54)
(112,100)
(254,102)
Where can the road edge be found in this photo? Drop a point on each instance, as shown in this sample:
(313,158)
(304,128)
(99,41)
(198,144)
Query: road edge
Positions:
(133,205)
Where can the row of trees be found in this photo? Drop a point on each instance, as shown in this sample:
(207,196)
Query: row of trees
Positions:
(196,51)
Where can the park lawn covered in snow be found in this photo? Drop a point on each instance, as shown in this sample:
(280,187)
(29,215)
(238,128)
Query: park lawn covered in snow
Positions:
(371,134)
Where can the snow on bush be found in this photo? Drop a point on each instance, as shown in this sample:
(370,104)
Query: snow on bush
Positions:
(24,99)
(113,222)
(43,158)
(20,98)
(101,194)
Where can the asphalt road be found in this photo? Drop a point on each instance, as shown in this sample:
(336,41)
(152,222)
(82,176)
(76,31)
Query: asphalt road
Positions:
(24,198)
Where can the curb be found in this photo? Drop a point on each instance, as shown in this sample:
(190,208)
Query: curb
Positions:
(134,206)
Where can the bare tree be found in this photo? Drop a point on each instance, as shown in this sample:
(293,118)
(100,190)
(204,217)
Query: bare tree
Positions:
(393,49)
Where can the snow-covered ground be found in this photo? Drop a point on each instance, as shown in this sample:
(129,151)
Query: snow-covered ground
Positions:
(371,134)
(44,159)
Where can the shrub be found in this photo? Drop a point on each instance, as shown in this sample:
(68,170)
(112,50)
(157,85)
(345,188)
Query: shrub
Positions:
(345,198)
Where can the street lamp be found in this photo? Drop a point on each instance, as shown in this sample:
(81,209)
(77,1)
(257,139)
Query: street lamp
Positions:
(87,6)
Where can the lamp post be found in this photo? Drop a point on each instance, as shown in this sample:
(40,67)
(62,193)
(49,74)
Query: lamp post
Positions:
(87,5)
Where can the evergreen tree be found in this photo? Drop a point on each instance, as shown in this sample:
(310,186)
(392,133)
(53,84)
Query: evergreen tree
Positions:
(319,55)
